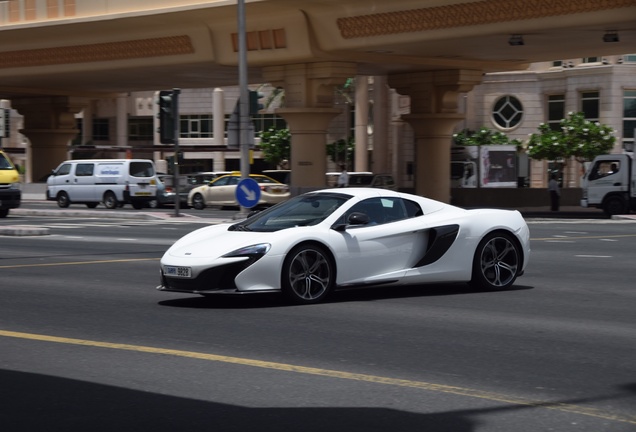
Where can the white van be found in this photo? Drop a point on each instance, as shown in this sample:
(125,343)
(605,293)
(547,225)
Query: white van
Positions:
(114,182)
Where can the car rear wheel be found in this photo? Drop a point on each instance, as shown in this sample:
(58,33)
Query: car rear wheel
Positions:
(308,274)
(110,201)
(62,200)
(497,262)
(198,202)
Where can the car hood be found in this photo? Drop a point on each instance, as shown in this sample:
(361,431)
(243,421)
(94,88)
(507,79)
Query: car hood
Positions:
(215,241)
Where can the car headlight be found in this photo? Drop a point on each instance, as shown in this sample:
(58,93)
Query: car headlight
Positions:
(253,251)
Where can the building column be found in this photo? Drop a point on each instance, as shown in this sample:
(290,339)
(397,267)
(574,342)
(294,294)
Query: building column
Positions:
(218,117)
(381,154)
(49,124)
(309,99)
(122,120)
(361,124)
(434,114)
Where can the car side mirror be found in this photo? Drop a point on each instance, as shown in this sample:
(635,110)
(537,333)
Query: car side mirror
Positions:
(357,218)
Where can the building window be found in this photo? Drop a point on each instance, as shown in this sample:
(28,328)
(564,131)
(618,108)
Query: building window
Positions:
(264,122)
(101,127)
(507,112)
(140,129)
(629,119)
(196,126)
(591,59)
(590,102)
(556,111)
(629,58)
(557,63)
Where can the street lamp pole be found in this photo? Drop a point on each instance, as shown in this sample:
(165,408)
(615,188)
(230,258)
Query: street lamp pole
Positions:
(244,118)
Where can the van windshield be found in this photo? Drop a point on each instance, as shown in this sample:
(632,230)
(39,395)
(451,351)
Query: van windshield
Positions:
(142,169)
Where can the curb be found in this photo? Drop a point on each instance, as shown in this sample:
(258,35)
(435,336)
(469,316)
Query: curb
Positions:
(23,230)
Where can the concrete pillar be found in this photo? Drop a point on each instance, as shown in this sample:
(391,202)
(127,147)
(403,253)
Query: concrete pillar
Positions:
(218,117)
(309,99)
(361,124)
(49,124)
(121,120)
(87,123)
(434,114)
(308,128)
(381,152)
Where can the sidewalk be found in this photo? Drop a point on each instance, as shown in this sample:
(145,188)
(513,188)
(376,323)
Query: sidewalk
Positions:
(37,192)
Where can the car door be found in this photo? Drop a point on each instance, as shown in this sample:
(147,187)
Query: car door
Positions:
(381,250)
(84,183)
(221,191)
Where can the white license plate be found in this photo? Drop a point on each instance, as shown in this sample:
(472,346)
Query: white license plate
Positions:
(183,272)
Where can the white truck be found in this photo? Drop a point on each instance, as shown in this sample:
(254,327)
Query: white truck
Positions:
(610,184)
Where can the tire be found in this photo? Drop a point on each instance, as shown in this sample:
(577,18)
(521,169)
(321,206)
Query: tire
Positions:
(614,206)
(110,201)
(4,213)
(91,205)
(308,274)
(198,202)
(62,200)
(497,262)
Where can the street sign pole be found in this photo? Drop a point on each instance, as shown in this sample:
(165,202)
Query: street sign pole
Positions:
(175,162)
(244,118)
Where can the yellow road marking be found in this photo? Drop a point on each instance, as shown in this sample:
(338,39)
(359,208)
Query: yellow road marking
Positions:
(568,408)
(78,263)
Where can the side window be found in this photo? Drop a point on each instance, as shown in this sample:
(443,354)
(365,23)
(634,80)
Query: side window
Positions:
(64,170)
(381,210)
(222,181)
(84,170)
(604,168)
(413,209)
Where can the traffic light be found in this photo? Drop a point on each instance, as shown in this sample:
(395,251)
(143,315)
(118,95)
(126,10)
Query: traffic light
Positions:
(166,117)
(255,105)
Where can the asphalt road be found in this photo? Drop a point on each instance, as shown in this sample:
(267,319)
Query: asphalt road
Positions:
(87,343)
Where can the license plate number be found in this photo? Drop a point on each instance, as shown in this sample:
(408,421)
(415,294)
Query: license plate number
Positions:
(142,193)
(184,272)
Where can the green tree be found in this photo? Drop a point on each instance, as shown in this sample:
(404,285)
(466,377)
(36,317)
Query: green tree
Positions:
(342,150)
(484,136)
(276,145)
(577,138)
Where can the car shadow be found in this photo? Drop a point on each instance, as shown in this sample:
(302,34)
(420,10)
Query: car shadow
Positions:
(343,295)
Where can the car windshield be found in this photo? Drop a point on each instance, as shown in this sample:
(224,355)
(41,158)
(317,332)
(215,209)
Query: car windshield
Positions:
(304,210)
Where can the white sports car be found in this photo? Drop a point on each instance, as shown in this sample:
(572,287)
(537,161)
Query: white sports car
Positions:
(336,238)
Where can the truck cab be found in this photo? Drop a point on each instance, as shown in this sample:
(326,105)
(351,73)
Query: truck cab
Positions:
(10,194)
(610,184)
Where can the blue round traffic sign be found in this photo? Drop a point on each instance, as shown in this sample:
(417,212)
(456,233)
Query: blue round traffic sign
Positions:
(248,193)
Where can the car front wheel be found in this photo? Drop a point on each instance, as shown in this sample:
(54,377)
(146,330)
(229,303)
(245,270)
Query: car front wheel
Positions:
(62,200)
(198,202)
(308,274)
(497,262)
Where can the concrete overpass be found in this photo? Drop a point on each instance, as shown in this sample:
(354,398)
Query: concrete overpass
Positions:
(56,56)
